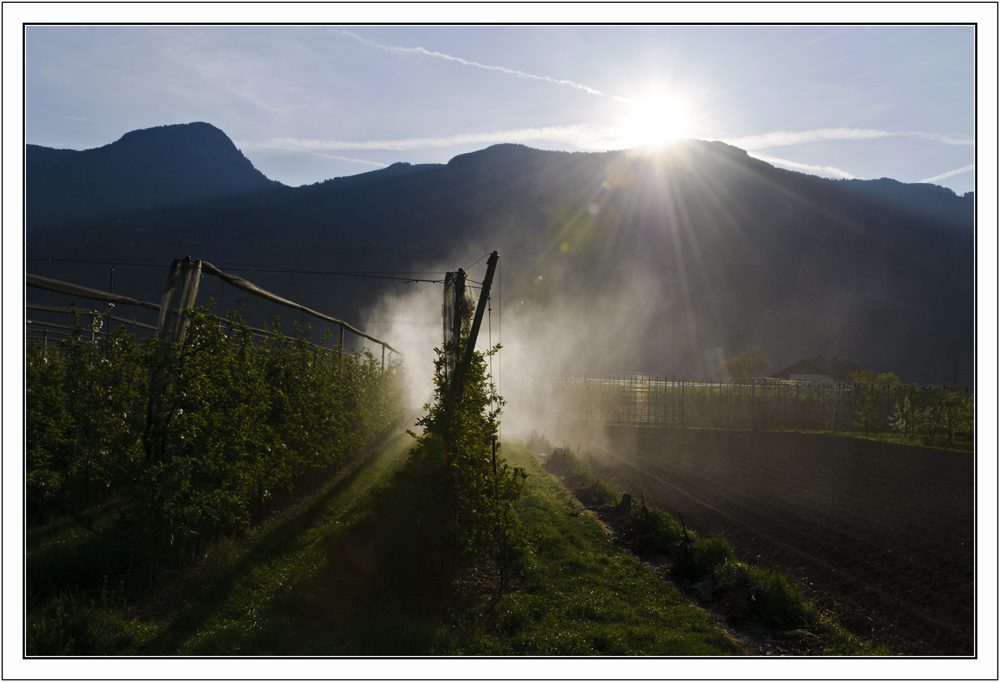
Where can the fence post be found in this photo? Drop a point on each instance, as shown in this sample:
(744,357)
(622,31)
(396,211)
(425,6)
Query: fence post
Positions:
(682,402)
(836,407)
(178,294)
(673,399)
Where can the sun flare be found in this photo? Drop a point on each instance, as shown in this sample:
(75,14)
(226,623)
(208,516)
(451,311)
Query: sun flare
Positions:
(655,120)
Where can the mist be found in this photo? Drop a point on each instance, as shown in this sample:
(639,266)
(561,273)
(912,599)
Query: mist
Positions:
(547,329)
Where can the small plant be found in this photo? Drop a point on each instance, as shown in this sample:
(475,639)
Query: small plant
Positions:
(767,595)
(700,558)
(538,443)
(662,524)
(561,462)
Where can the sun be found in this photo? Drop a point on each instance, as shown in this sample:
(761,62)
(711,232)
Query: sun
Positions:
(655,120)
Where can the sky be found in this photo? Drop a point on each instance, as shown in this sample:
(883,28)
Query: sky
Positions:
(308,103)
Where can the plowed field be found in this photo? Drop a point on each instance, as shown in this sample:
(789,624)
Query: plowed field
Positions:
(880,534)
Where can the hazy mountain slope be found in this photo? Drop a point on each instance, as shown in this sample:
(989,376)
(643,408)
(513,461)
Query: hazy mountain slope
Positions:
(612,261)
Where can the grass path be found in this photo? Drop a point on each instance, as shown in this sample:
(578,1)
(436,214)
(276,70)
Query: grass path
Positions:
(345,577)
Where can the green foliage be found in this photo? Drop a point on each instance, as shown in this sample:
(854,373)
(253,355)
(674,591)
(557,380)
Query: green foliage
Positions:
(74,625)
(659,524)
(470,488)
(85,413)
(562,462)
(195,440)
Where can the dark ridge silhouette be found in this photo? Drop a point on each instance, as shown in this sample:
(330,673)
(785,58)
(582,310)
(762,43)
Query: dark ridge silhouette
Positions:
(920,198)
(145,170)
(670,258)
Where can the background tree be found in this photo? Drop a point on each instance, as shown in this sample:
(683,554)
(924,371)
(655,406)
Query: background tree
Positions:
(748,364)
(866,376)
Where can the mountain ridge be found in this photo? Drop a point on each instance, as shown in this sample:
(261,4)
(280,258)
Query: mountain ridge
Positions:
(698,250)
(144,170)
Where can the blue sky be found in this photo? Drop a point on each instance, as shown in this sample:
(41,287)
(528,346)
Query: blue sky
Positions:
(307,103)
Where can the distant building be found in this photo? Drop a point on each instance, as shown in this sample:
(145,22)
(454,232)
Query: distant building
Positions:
(817,369)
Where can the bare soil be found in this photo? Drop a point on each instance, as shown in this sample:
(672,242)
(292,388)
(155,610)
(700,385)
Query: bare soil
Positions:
(882,535)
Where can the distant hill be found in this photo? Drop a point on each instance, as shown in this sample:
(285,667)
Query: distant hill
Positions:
(145,170)
(920,198)
(616,261)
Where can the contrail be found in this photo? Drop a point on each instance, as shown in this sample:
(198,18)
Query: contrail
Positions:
(785,138)
(824,170)
(276,144)
(440,55)
(963,169)
(580,135)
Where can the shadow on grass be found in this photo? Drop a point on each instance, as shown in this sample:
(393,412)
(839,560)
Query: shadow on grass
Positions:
(300,565)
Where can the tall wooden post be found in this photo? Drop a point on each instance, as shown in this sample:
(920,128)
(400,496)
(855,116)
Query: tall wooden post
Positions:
(453,315)
(179,294)
(477,321)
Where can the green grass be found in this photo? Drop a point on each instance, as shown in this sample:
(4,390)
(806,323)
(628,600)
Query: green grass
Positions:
(360,588)
(580,594)
(354,574)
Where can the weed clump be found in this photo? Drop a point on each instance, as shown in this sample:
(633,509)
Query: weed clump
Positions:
(584,482)
(701,557)
(562,462)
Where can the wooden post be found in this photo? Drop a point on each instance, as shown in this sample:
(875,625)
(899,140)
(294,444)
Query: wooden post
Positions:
(470,344)
(179,294)
(453,315)
(111,288)
(682,402)
(673,399)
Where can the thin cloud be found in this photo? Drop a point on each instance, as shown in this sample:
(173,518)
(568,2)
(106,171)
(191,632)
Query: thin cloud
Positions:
(292,148)
(819,170)
(396,49)
(581,136)
(787,138)
(351,160)
(963,169)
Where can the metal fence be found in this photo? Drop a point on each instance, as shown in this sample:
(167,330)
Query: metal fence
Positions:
(762,404)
